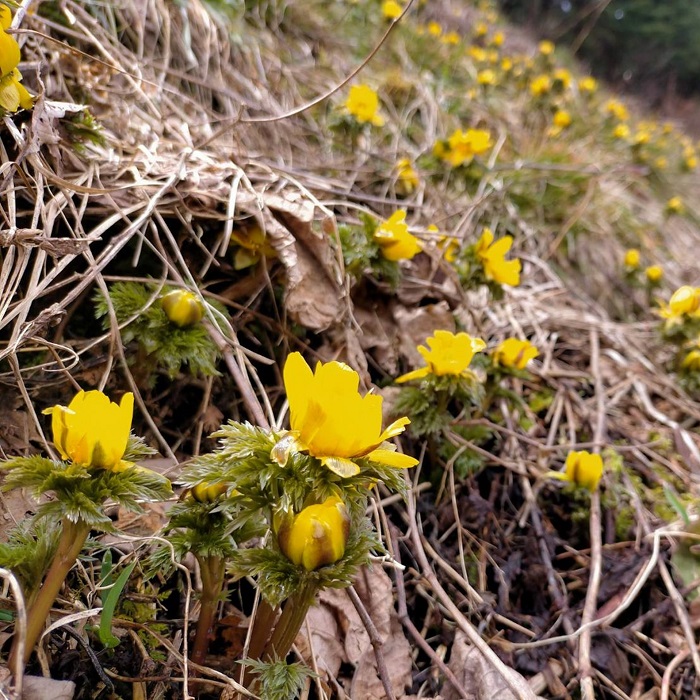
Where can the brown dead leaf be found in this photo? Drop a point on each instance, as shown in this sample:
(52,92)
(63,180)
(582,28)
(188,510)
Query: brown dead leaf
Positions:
(416,324)
(339,636)
(314,294)
(477,676)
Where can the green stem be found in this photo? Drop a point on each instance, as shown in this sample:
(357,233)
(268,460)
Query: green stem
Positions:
(72,540)
(212,570)
(290,622)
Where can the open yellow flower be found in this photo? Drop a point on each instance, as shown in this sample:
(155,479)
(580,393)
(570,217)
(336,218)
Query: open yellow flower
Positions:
(632,259)
(363,104)
(462,146)
(394,239)
(391,9)
(492,256)
(447,354)
(332,422)
(13,94)
(513,352)
(317,535)
(582,469)
(92,430)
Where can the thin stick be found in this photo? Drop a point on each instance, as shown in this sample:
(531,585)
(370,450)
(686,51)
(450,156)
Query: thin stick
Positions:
(376,641)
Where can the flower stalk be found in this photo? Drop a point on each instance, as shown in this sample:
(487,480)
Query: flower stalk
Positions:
(292,618)
(72,540)
(212,570)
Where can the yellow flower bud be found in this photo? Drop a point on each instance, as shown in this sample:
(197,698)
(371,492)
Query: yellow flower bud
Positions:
(205,492)
(317,536)
(182,308)
(92,430)
(685,300)
(632,259)
(584,469)
(654,273)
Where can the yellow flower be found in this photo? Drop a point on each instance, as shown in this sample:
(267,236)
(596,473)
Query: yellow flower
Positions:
(691,361)
(446,354)
(506,64)
(621,131)
(632,257)
(448,244)
(464,145)
(583,469)
(332,422)
(654,273)
(451,39)
(434,29)
(617,109)
(562,77)
(182,308)
(513,352)
(363,104)
(205,492)
(540,85)
(317,536)
(477,53)
(253,244)
(481,29)
(661,163)
(391,9)
(13,94)
(588,85)
(497,39)
(486,77)
(546,48)
(394,239)
(691,162)
(560,121)
(92,430)
(685,300)
(408,177)
(675,205)
(492,257)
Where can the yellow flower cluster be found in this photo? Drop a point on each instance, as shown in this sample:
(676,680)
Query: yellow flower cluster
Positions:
(13,94)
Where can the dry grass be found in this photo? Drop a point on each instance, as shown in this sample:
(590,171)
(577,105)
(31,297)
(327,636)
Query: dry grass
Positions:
(159,200)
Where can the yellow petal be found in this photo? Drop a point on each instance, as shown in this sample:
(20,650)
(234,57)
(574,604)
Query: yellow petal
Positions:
(341,467)
(390,458)
(415,374)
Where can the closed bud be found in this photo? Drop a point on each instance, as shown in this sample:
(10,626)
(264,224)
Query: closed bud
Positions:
(317,536)
(584,469)
(182,308)
(205,492)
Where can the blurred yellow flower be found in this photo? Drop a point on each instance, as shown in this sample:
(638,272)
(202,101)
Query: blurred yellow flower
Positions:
(506,64)
(13,94)
(492,256)
(253,245)
(621,131)
(317,535)
(391,9)
(546,48)
(481,29)
(92,430)
(486,77)
(562,77)
(675,206)
(513,352)
(363,104)
(632,258)
(588,85)
(582,469)
(654,273)
(464,145)
(434,29)
(447,354)
(394,239)
(407,176)
(451,39)
(332,422)
(182,308)
(691,162)
(617,109)
(540,85)
(449,245)
(691,361)
(478,54)
(497,39)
